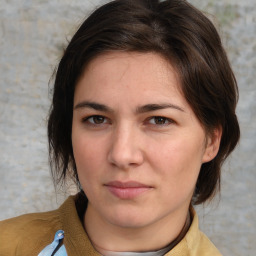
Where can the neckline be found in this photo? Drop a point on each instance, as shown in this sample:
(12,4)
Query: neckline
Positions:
(151,253)
(77,240)
(159,252)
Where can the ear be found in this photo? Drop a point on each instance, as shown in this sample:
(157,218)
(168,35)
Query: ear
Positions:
(212,144)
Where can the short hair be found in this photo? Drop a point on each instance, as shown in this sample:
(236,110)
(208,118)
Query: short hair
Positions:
(182,35)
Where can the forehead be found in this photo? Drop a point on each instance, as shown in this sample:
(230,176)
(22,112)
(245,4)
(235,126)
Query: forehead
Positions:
(125,81)
(146,71)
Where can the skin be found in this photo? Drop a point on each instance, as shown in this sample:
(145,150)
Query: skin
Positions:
(119,135)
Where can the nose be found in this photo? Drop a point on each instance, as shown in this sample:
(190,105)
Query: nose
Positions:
(125,151)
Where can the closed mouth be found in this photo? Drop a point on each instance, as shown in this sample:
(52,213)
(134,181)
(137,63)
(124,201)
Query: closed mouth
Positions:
(127,190)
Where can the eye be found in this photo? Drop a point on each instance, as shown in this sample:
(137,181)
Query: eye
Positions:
(160,120)
(95,120)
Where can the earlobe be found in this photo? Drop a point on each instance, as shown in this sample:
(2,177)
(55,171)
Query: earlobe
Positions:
(212,145)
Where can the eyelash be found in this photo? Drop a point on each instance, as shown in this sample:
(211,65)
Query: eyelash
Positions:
(87,120)
(165,121)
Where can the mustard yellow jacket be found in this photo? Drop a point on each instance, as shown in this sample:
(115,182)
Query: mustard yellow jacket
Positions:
(27,235)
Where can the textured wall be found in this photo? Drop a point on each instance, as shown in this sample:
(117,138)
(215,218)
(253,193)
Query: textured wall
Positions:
(32,36)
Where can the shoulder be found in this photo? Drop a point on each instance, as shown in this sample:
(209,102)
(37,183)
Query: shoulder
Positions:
(206,247)
(27,234)
(198,243)
(195,242)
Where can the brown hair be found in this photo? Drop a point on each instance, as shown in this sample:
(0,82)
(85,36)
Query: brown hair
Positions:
(182,35)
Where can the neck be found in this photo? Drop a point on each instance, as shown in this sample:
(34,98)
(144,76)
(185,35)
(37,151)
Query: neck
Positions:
(106,236)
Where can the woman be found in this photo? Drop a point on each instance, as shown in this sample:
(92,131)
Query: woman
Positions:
(142,118)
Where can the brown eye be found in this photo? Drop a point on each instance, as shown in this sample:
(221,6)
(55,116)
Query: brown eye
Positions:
(96,120)
(160,120)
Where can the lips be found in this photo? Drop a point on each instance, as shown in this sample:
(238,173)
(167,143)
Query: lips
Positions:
(127,190)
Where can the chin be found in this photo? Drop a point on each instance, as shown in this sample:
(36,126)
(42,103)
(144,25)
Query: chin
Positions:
(130,219)
(129,223)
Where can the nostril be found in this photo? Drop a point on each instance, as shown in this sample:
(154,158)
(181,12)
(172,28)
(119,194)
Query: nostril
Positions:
(125,159)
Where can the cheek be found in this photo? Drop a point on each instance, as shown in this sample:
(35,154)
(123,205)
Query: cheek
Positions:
(178,165)
(87,163)
(86,148)
(86,154)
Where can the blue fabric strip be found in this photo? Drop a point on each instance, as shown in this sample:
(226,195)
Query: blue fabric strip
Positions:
(52,249)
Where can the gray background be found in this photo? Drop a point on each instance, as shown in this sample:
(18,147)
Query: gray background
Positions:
(32,37)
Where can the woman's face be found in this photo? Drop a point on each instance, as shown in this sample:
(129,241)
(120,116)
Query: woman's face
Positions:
(137,144)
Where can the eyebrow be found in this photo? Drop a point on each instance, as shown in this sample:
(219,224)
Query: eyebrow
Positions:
(93,105)
(139,110)
(154,107)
